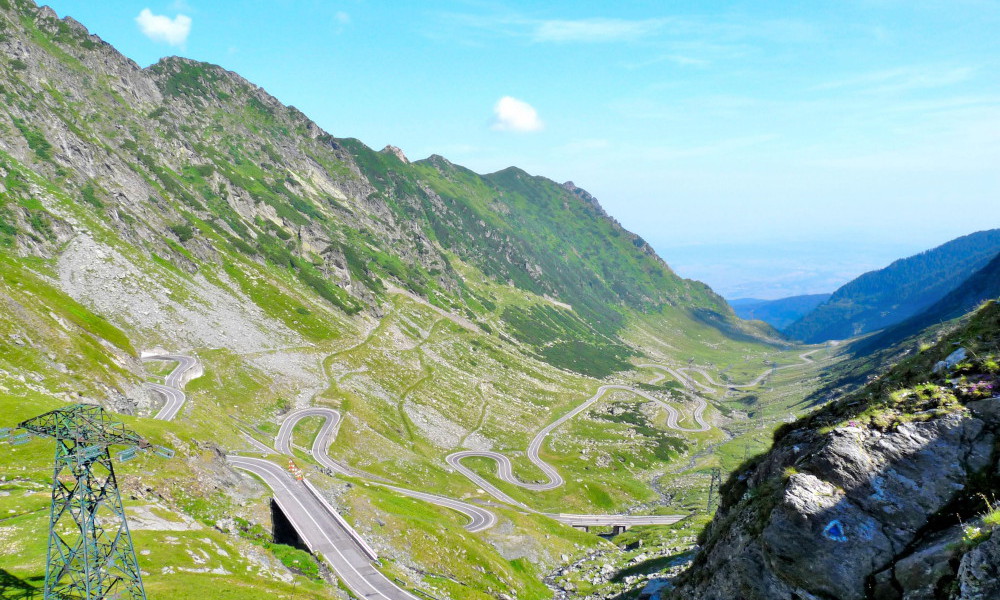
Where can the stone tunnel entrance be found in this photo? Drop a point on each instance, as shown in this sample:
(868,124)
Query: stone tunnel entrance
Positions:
(284,532)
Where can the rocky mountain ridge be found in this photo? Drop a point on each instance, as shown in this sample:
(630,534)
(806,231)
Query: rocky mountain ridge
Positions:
(179,206)
(190,163)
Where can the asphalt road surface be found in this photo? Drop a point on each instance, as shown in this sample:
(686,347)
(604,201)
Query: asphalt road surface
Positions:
(613,520)
(505,468)
(171,392)
(804,358)
(322,533)
(325,533)
(479,518)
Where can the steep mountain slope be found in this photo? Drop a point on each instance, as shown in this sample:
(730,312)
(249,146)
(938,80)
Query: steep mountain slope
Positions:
(778,313)
(885,493)
(180,206)
(872,355)
(193,163)
(982,285)
(881,298)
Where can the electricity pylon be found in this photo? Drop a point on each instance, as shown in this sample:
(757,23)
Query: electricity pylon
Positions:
(714,490)
(90,552)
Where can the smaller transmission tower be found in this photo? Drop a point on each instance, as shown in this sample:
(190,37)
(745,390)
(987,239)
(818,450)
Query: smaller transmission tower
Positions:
(713,489)
(90,552)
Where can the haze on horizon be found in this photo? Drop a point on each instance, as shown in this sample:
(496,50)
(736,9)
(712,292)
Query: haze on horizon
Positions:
(766,149)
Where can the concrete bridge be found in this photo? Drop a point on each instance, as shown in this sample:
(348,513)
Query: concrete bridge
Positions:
(617,523)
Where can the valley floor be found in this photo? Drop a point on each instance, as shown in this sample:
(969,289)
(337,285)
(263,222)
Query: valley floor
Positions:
(643,444)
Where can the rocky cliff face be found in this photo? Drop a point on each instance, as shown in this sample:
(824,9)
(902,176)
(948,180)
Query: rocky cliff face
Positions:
(887,493)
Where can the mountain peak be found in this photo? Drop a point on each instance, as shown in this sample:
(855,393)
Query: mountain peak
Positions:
(397,152)
(47,12)
(191,74)
(440,163)
(515,171)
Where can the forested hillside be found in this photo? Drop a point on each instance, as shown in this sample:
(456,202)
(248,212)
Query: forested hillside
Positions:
(981,286)
(881,298)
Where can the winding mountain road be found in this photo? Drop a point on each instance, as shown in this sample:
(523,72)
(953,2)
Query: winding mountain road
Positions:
(328,535)
(505,468)
(479,518)
(171,390)
(317,523)
(685,380)
(804,358)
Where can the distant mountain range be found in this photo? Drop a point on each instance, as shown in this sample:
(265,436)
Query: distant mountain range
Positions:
(905,288)
(778,313)
(983,285)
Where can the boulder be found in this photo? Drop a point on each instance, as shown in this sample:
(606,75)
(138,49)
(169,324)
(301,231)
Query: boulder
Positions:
(979,571)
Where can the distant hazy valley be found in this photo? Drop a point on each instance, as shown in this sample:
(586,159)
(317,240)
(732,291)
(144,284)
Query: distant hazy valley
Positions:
(880,298)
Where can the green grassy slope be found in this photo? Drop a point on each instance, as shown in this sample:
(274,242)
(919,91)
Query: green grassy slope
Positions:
(199,165)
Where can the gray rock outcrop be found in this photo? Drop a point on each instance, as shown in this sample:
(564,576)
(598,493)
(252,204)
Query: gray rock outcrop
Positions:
(979,572)
(873,497)
(852,505)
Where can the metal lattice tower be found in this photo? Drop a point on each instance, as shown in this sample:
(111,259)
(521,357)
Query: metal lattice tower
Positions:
(713,489)
(90,552)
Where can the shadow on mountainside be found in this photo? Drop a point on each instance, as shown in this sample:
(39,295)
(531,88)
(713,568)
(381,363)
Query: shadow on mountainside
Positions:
(757,333)
(868,501)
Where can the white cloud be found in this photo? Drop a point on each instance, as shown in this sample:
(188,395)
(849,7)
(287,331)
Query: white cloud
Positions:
(512,114)
(594,30)
(340,21)
(160,28)
(678,59)
(685,37)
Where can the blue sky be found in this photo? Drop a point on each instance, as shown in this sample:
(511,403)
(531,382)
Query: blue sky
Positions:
(767,148)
